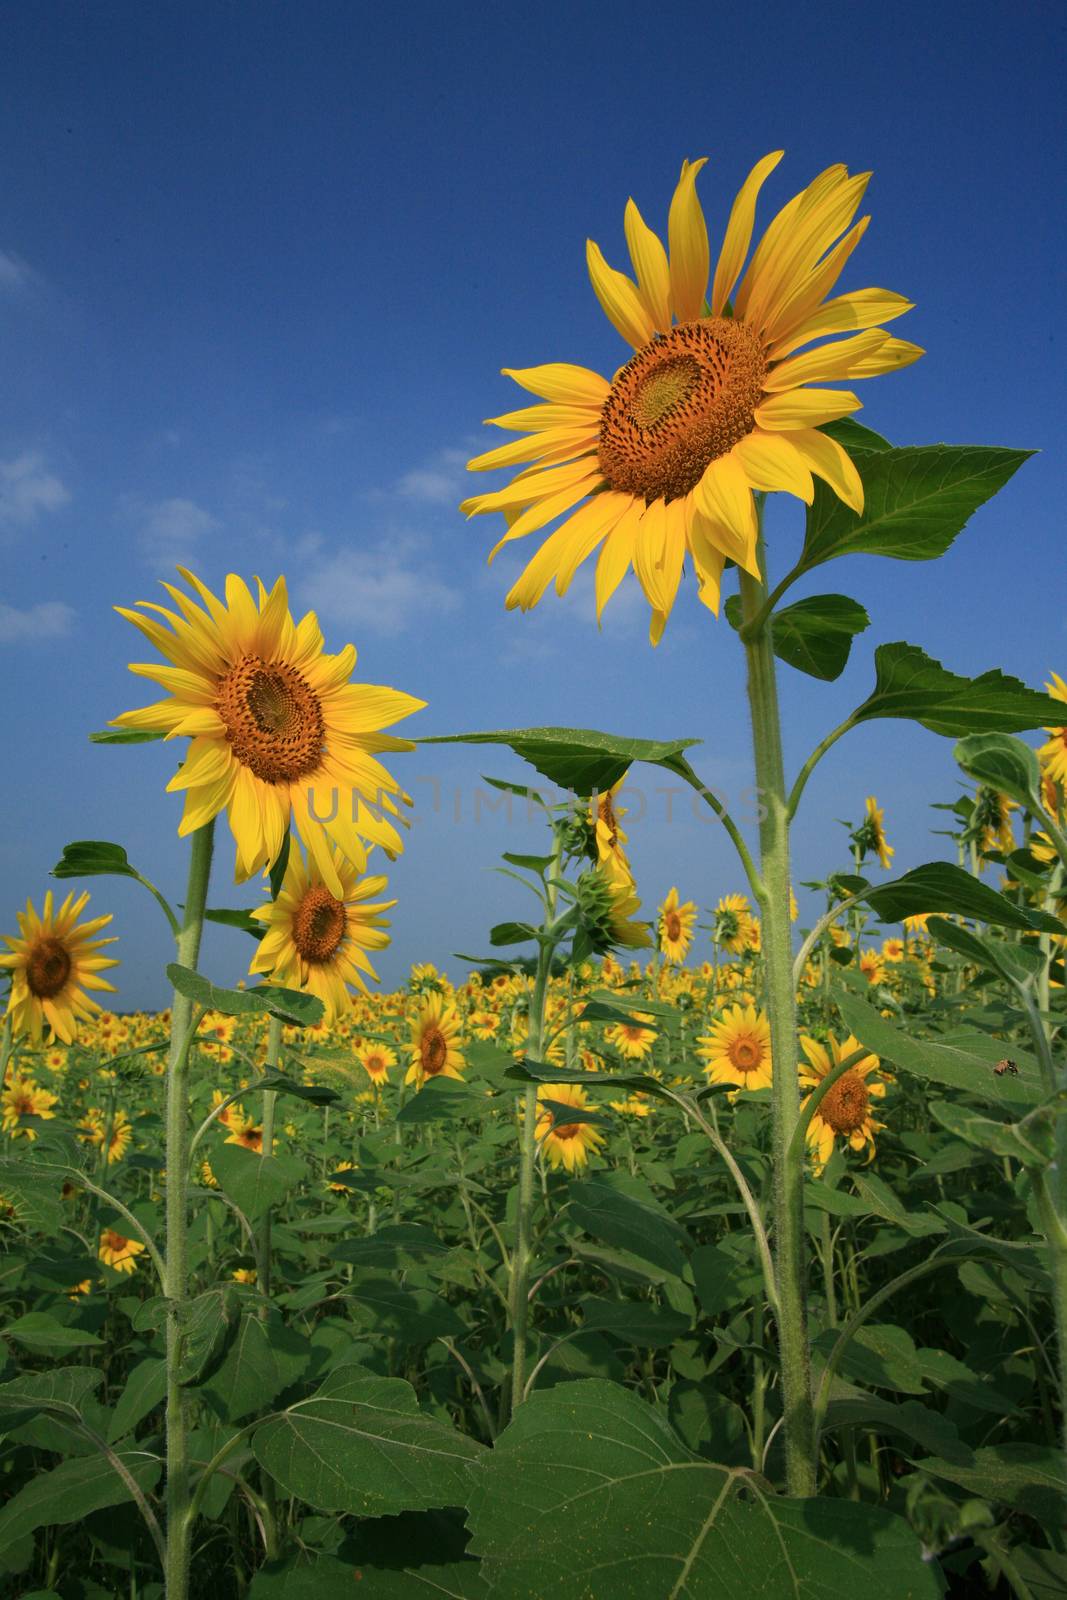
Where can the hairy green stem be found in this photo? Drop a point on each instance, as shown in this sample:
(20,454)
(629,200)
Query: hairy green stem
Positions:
(520,1257)
(182,1024)
(790,1245)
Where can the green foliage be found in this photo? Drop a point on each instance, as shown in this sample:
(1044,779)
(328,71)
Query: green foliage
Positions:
(579,759)
(813,635)
(912,685)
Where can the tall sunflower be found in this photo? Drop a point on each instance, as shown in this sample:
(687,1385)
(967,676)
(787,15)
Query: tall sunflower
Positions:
(317,940)
(52,962)
(676,921)
(1053,753)
(605,818)
(732,923)
(276,729)
(659,464)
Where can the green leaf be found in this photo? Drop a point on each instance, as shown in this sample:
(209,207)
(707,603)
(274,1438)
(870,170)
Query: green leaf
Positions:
(256,1182)
(327,1578)
(1004,764)
(1018,963)
(126,736)
(361,1444)
(813,635)
(577,758)
(69,1492)
(643,1227)
(881,1356)
(916,500)
(511,933)
(397,1246)
(634,1322)
(442,1100)
(278,867)
(66,1387)
(926,1427)
(527,1071)
(956,1064)
(880,1201)
(317,1094)
(590,1492)
(265,1357)
(1031,1142)
(912,685)
(290,1005)
(1030,1477)
(34,1193)
(724,1281)
(93,858)
(45,1336)
(854,435)
(941,886)
(411,1316)
(237,919)
(143,1389)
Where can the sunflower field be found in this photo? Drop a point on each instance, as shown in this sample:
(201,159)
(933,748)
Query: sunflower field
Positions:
(660,1257)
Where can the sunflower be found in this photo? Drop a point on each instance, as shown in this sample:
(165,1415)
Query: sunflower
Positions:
(376,1059)
(276,728)
(341,1188)
(434,1049)
(676,926)
(317,940)
(247,1275)
(738,1049)
(870,835)
(52,962)
(565,1144)
(872,966)
(660,463)
(605,818)
(990,824)
(633,1039)
(247,1133)
(731,921)
(608,904)
(1053,754)
(845,1110)
(24,1098)
(114,1131)
(118,1252)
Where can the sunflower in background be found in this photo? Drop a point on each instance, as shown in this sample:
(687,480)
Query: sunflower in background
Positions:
(634,1038)
(118,1252)
(869,838)
(738,1049)
(605,818)
(317,940)
(376,1060)
(565,1144)
(52,961)
(110,1134)
(276,729)
(435,1051)
(845,1110)
(658,465)
(1053,753)
(731,923)
(676,922)
(24,1098)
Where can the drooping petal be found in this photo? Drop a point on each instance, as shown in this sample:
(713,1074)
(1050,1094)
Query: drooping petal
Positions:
(805,408)
(617,555)
(829,461)
(772,463)
(798,300)
(651,268)
(724,495)
(619,298)
(828,363)
(863,308)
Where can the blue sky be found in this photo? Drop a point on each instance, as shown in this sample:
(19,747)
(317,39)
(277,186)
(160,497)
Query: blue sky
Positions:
(260,266)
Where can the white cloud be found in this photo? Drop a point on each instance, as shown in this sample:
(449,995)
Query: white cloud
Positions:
(380,588)
(49,620)
(441,481)
(170,531)
(14,272)
(27,488)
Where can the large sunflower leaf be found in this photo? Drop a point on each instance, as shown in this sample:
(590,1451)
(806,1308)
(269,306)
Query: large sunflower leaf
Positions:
(577,758)
(912,685)
(589,1492)
(1004,763)
(941,886)
(916,500)
(72,1490)
(360,1444)
(813,635)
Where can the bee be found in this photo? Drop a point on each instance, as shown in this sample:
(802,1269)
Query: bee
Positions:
(1006,1066)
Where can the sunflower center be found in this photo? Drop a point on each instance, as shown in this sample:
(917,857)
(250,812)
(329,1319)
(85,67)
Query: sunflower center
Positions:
(434,1052)
(844,1106)
(48,968)
(745,1053)
(569,1130)
(273,719)
(319,925)
(684,399)
(674,925)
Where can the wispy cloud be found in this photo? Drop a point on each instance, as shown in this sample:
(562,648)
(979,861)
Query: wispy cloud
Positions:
(169,532)
(440,481)
(28,488)
(382,588)
(15,273)
(49,620)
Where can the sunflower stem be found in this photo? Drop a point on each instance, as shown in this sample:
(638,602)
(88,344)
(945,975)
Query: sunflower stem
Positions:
(179,1526)
(518,1295)
(790,1249)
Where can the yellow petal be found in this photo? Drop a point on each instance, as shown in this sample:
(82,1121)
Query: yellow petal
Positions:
(771,463)
(830,462)
(780,226)
(531,486)
(724,495)
(805,408)
(814,233)
(546,511)
(558,380)
(531,419)
(569,441)
(651,268)
(649,546)
(797,300)
(565,549)
(828,363)
(611,507)
(617,555)
(687,236)
(890,356)
(864,308)
(619,299)
(739,232)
